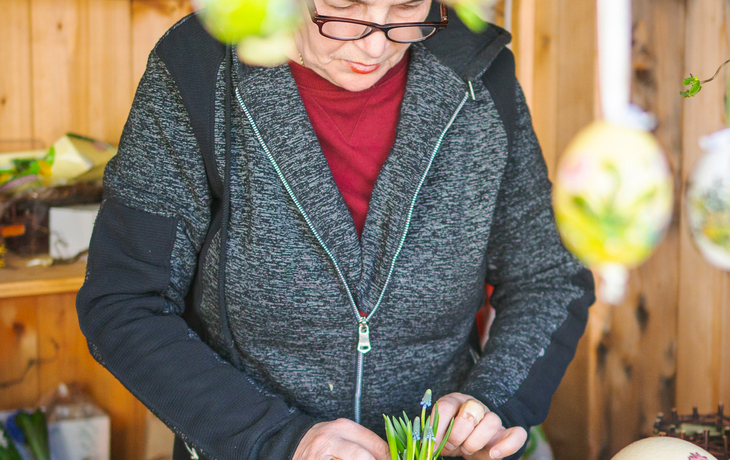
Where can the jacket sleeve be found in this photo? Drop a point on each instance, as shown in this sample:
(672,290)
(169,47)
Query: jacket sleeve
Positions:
(541,295)
(142,259)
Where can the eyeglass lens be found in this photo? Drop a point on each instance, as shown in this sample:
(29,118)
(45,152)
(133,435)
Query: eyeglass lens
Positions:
(342,30)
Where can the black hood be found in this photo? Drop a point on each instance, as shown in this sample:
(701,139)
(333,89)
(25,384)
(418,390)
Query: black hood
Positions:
(467,53)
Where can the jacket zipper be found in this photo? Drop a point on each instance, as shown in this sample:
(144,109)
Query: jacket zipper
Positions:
(363,345)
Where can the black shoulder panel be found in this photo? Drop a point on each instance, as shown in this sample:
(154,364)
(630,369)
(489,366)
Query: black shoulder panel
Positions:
(501,81)
(193,57)
(468,53)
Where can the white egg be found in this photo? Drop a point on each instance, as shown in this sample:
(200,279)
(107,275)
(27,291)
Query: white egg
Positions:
(663,448)
(708,200)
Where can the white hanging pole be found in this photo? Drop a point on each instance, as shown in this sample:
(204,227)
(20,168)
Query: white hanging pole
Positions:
(508,9)
(614,58)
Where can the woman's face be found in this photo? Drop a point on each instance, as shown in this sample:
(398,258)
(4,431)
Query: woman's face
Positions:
(358,64)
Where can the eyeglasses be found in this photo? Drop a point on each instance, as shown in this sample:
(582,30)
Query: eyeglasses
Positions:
(351,29)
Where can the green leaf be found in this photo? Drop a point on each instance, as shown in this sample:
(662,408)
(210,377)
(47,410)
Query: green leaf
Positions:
(470,17)
(7,448)
(423,448)
(410,449)
(400,434)
(694,86)
(390,434)
(443,441)
(584,207)
(435,417)
(51,156)
(36,433)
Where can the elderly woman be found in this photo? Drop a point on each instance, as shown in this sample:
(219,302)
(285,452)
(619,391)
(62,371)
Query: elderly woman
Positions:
(286,254)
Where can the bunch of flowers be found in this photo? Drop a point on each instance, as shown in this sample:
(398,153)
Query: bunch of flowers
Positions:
(29,430)
(415,440)
(22,170)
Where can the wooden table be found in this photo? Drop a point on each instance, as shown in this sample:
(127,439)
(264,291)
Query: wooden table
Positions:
(41,346)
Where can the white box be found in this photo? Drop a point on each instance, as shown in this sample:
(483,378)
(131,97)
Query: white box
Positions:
(70,229)
(80,439)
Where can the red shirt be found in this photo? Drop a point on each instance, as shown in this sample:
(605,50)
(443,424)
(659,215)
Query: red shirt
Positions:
(356,130)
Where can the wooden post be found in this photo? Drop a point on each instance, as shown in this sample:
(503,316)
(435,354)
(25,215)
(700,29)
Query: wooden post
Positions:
(703,333)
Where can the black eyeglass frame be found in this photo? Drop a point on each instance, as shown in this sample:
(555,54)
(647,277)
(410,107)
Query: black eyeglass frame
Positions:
(320,21)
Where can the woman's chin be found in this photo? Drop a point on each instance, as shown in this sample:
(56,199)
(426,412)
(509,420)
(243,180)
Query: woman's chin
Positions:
(353,81)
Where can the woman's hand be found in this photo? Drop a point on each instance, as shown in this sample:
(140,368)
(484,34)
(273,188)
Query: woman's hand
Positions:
(477,434)
(341,439)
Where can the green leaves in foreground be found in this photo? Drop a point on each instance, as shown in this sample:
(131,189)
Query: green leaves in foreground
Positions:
(7,448)
(468,13)
(415,440)
(35,429)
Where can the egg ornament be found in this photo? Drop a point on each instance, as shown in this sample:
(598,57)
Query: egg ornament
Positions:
(663,448)
(262,29)
(612,199)
(707,201)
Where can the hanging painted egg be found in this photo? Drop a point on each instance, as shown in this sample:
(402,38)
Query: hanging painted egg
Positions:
(262,28)
(613,199)
(663,448)
(708,200)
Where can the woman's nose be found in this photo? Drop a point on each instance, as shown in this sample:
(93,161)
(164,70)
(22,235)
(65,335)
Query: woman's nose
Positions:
(374,44)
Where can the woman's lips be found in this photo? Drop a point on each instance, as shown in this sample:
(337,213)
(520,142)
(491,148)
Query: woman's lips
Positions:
(360,68)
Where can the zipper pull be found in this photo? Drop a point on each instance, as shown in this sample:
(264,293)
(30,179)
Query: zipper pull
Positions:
(471,90)
(193,452)
(363,344)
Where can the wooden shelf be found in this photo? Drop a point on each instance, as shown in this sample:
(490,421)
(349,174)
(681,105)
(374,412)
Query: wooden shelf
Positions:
(19,280)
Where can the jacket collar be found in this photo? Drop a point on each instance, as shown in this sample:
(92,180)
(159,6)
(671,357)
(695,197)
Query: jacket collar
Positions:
(467,53)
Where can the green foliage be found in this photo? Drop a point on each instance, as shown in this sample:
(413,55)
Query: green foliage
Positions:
(7,448)
(35,428)
(28,166)
(415,440)
(694,86)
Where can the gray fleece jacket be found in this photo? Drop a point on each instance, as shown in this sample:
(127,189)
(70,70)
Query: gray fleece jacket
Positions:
(452,208)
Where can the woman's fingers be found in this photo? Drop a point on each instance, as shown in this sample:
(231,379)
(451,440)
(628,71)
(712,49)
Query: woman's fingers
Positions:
(449,406)
(477,433)
(484,434)
(506,443)
(341,439)
(469,415)
(473,411)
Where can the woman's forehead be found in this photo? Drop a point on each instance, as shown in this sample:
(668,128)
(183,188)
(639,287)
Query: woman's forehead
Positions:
(377,2)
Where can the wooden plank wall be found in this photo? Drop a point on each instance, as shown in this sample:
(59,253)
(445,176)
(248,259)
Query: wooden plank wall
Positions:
(554,45)
(668,344)
(70,65)
(73,65)
(703,335)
